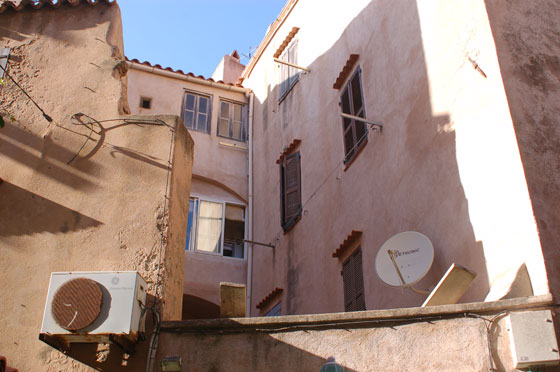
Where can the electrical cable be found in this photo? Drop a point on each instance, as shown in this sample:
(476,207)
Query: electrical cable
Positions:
(47,117)
(358,143)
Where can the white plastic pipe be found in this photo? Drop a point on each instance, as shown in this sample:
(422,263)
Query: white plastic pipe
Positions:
(250,212)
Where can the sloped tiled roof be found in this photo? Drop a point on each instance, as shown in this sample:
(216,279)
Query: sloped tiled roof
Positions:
(18,5)
(146,63)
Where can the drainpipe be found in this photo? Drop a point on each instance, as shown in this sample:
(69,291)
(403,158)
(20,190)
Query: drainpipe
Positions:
(250,207)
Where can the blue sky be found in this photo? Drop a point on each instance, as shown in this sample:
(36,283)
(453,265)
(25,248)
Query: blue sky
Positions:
(194,35)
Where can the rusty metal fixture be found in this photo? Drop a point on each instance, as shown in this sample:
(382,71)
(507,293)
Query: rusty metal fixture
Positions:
(77,303)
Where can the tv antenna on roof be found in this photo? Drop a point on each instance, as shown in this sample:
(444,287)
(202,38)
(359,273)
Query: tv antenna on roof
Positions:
(250,53)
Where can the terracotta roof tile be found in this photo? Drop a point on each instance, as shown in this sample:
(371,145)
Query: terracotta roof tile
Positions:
(18,5)
(288,149)
(286,41)
(159,67)
(269,297)
(347,243)
(345,71)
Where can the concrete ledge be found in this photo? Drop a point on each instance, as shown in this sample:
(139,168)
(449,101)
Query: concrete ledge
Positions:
(354,319)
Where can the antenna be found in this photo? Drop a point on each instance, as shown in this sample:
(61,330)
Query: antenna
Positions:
(249,54)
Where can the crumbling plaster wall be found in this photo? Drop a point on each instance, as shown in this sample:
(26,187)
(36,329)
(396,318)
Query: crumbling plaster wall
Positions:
(81,194)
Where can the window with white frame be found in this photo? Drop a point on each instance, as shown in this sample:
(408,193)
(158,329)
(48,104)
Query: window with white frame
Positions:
(216,227)
(231,123)
(196,111)
(289,75)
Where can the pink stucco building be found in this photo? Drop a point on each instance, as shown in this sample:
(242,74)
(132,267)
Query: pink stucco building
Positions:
(264,176)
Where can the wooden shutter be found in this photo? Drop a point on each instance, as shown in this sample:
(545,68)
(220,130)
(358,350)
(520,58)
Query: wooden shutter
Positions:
(291,190)
(4,55)
(353,281)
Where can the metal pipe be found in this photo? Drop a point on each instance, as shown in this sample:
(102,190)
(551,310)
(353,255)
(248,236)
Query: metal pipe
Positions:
(357,118)
(259,243)
(250,207)
(292,64)
(177,75)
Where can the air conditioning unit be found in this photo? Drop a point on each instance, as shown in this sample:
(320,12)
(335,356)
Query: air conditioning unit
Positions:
(94,307)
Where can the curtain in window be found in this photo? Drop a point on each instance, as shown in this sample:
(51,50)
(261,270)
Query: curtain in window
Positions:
(209,227)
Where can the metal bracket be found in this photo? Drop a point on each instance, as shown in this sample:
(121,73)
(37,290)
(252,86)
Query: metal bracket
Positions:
(357,118)
(258,243)
(292,65)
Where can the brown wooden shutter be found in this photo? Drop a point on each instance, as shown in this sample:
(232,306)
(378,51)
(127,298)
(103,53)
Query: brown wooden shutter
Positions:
(353,281)
(291,201)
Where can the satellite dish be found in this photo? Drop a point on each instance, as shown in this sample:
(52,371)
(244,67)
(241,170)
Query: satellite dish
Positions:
(404,259)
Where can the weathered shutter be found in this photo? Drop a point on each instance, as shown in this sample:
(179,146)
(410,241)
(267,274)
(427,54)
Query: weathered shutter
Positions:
(4,55)
(348,282)
(291,202)
(353,282)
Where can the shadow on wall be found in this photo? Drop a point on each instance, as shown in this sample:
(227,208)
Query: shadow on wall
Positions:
(26,213)
(198,308)
(70,18)
(46,157)
(219,351)
(407,176)
(526,37)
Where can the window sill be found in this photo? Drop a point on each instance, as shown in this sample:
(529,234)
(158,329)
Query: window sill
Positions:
(358,152)
(232,139)
(217,255)
(196,130)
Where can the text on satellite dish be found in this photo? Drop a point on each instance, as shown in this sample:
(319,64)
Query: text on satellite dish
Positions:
(399,253)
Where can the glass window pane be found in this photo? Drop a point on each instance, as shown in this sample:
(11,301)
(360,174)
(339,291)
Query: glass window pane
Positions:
(236,130)
(203,105)
(237,112)
(356,94)
(234,231)
(189,104)
(345,100)
(224,110)
(223,127)
(201,122)
(209,227)
(349,143)
(189,117)
(190,227)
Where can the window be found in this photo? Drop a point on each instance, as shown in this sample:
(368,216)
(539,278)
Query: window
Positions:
(145,103)
(196,112)
(288,75)
(216,227)
(231,123)
(353,280)
(276,310)
(290,175)
(352,102)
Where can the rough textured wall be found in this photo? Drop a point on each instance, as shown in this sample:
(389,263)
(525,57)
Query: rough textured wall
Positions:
(527,38)
(443,338)
(446,163)
(86,193)
(220,172)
